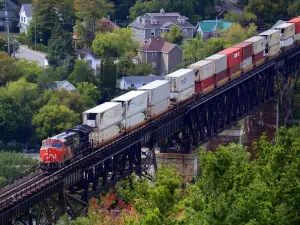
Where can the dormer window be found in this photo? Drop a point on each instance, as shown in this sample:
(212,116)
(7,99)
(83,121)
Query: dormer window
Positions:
(153,21)
(181,21)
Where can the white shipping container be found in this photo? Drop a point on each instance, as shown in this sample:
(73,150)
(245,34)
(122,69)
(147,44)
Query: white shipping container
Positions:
(286,43)
(157,91)
(134,120)
(287,30)
(258,43)
(181,79)
(246,63)
(297,37)
(132,102)
(272,37)
(183,95)
(102,135)
(220,62)
(104,115)
(158,107)
(275,49)
(203,69)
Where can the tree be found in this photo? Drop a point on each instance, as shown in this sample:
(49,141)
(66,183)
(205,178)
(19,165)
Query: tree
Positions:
(108,73)
(268,9)
(141,69)
(192,50)
(92,10)
(239,17)
(30,70)
(2,45)
(294,8)
(90,93)
(53,119)
(82,72)
(47,78)
(114,44)
(8,69)
(174,35)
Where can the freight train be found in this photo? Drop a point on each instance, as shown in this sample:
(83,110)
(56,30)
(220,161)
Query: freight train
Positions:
(113,119)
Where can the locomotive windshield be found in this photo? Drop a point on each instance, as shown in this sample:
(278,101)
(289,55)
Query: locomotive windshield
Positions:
(48,144)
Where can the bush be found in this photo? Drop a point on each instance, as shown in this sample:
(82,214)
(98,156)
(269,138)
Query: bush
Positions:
(39,47)
(23,39)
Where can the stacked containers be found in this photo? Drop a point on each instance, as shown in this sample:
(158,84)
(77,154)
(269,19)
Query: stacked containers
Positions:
(234,59)
(296,21)
(246,63)
(272,39)
(204,75)
(287,33)
(258,49)
(134,104)
(182,84)
(220,68)
(106,120)
(158,96)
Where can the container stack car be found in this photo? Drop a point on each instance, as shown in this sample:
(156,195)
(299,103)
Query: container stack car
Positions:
(287,33)
(272,39)
(296,21)
(182,84)
(158,96)
(258,49)
(220,69)
(134,108)
(246,63)
(234,59)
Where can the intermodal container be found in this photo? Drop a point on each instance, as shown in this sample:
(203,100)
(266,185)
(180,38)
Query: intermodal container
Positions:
(183,95)
(258,44)
(246,49)
(297,37)
(220,62)
(107,133)
(205,85)
(259,56)
(203,69)
(222,77)
(181,79)
(272,37)
(274,50)
(234,68)
(234,56)
(287,30)
(287,42)
(158,108)
(132,102)
(104,115)
(296,21)
(157,91)
(134,120)
(246,63)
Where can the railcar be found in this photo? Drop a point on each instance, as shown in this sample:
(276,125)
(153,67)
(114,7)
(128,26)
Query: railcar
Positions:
(125,113)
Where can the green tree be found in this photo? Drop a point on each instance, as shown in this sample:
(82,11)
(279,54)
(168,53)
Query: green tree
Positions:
(239,17)
(90,93)
(174,35)
(8,69)
(30,69)
(294,8)
(268,9)
(53,119)
(47,78)
(108,73)
(82,72)
(115,44)
(141,69)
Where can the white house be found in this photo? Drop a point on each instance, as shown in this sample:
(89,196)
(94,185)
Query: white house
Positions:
(137,81)
(87,55)
(25,17)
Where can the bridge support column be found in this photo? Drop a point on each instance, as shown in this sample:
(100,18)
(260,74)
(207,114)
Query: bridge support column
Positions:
(186,164)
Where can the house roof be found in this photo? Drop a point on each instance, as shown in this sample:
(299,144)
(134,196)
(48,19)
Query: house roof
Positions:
(84,51)
(279,22)
(28,9)
(64,84)
(141,79)
(157,44)
(209,25)
(112,24)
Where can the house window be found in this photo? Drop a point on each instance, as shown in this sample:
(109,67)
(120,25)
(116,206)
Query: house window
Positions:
(144,84)
(152,32)
(153,64)
(24,19)
(90,61)
(141,31)
(184,32)
(132,85)
(153,54)
(159,32)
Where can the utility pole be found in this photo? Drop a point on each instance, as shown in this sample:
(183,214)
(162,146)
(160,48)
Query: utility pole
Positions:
(7,27)
(35,37)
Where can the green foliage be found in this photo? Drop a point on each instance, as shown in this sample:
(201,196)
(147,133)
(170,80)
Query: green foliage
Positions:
(114,44)
(82,72)
(127,68)
(90,93)
(294,8)
(239,17)
(53,119)
(30,70)
(108,73)
(174,35)
(8,69)
(12,164)
(2,45)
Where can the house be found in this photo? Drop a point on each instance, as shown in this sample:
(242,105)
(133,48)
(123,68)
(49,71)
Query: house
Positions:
(88,55)
(153,24)
(138,81)
(63,85)
(210,28)
(163,56)
(25,17)
(11,8)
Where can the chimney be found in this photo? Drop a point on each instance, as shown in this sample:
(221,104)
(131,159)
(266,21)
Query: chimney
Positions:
(162,11)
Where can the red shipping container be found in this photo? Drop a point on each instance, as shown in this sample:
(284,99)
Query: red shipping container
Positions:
(296,21)
(205,85)
(198,87)
(233,69)
(258,57)
(246,49)
(221,76)
(234,56)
